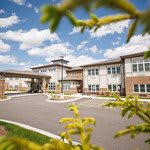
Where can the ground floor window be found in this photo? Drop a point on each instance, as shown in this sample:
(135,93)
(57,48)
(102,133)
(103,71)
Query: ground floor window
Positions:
(114,87)
(143,88)
(93,87)
(52,86)
(66,86)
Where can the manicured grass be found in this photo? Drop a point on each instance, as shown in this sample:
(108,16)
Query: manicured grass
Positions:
(18,131)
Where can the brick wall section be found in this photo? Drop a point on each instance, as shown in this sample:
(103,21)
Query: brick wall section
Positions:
(130,81)
(2,87)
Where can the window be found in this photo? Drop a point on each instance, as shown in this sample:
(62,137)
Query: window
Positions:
(114,87)
(97,72)
(147,66)
(93,88)
(141,65)
(118,70)
(93,72)
(148,87)
(66,86)
(109,70)
(52,86)
(143,88)
(113,70)
(134,66)
(89,72)
(90,88)
(136,88)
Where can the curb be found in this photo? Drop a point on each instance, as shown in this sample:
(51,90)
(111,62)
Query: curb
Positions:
(62,101)
(51,135)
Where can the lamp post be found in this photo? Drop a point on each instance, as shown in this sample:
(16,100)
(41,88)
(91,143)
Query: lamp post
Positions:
(62,95)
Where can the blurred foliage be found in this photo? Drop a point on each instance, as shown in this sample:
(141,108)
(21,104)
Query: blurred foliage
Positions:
(54,14)
(74,126)
(130,107)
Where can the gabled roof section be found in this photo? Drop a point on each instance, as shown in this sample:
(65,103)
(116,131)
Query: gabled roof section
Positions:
(59,60)
(50,65)
(132,55)
(106,62)
(75,68)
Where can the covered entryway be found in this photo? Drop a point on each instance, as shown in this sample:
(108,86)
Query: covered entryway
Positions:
(42,79)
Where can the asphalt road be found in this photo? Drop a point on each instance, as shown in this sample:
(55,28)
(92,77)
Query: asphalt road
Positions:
(34,111)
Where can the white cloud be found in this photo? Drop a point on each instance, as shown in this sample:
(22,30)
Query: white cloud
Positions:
(36,10)
(115,43)
(81,45)
(19,2)
(93,49)
(52,51)
(112,28)
(138,43)
(2,11)
(7,22)
(29,5)
(31,38)
(4,47)
(79,60)
(75,30)
(7,59)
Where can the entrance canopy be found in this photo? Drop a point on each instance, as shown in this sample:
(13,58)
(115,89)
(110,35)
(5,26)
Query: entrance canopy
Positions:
(23,74)
(42,78)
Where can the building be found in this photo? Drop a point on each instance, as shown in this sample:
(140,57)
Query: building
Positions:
(73,81)
(136,75)
(127,75)
(54,70)
(104,76)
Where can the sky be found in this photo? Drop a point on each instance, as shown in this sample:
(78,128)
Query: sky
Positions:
(25,42)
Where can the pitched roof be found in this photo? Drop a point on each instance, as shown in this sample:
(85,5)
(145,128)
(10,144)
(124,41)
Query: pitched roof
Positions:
(106,62)
(75,68)
(132,55)
(49,65)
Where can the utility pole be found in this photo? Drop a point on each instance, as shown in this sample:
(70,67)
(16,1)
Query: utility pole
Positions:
(62,95)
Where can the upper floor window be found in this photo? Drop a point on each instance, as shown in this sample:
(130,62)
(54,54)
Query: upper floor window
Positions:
(93,72)
(113,70)
(142,65)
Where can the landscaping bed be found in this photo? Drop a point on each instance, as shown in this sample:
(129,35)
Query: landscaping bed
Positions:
(57,98)
(15,130)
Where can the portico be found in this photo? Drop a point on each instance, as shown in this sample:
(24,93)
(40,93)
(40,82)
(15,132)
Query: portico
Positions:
(43,79)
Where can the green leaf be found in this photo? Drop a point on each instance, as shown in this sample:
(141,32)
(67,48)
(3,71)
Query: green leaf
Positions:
(132,30)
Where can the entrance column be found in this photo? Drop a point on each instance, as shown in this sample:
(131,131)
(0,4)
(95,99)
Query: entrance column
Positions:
(32,84)
(45,85)
(2,85)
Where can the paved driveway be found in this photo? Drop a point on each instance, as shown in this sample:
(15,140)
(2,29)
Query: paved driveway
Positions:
(34,111)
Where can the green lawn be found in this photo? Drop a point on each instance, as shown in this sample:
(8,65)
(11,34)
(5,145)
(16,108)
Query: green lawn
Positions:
(25,133)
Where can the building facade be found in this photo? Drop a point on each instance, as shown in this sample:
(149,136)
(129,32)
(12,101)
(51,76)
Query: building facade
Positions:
(127,75)
(54,70)
(137,75)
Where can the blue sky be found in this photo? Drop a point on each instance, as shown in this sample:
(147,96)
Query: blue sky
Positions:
(24,42)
